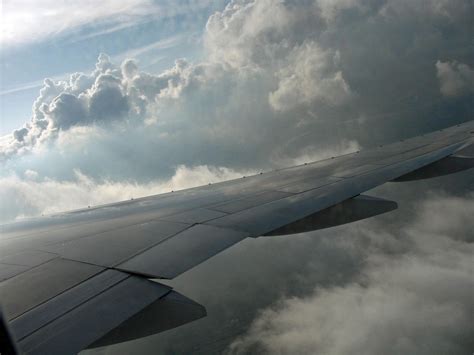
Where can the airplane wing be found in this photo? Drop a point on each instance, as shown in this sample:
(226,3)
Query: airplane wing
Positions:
(83,278)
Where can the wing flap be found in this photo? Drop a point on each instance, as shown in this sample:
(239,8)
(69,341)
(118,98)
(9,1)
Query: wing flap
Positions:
(89,321)
(110,248)
(15,264)
(61,304)
(29,289)
(183,251)
(8,271)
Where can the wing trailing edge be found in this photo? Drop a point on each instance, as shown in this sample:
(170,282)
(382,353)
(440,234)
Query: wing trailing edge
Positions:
(108,308)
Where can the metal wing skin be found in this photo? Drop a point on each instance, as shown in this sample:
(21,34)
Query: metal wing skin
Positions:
(82,278)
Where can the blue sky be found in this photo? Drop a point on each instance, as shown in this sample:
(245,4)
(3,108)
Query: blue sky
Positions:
(45,39)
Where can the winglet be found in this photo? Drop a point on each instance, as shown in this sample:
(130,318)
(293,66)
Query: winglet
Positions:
(7,345)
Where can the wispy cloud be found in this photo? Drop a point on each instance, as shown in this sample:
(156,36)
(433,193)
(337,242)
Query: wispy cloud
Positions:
(26,21)
(165,43)
(30,85)
(107,29)
(22,87)
(29,21)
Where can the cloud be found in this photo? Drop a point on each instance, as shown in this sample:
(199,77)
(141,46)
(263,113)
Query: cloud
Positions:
(308,79)
(26,20)
(455,79)
(32,195)
(330,9)
(155,46)
(65,110)
(311,154)
(269,37)
(270,72)
(415,301)
(82,99)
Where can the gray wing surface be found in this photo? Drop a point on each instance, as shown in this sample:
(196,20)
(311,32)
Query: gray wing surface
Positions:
(81,279)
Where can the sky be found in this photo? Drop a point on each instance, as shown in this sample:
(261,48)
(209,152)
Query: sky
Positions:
(104,102)
(52,39)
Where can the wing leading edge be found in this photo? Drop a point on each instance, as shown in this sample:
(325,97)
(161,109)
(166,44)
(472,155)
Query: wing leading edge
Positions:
(87,271)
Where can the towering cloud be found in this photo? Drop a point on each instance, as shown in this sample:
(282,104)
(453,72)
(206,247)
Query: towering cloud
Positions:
(289,68)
